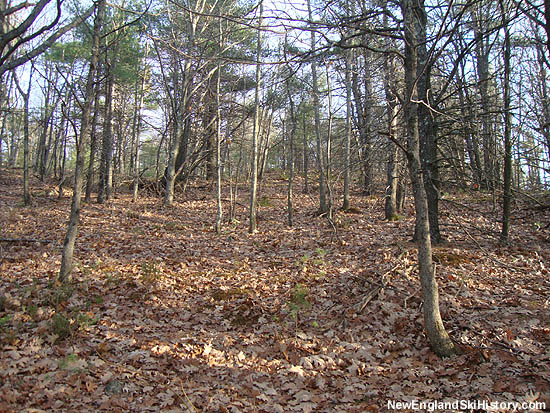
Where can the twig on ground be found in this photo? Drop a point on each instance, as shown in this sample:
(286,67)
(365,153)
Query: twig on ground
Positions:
(14,240)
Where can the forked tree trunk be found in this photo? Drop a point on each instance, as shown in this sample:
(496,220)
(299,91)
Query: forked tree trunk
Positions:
(72,228)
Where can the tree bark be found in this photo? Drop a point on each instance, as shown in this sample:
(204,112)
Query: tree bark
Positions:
(136,129)
(347,143)
(305,154)
(106,166)
(323,205)
(482,66)
(26,137)
(219,214)
(507,198)
(440,342)
(256,130)
(93,148)
(291,134)
(392,179)
(72,228)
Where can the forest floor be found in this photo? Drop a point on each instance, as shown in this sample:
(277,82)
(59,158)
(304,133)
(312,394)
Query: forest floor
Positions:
(165,315)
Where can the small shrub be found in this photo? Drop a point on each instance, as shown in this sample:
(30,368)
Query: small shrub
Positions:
(138,230)
(31,310)
(72,363)
(321,252)
(343,222)
(174,226)
(298,300)
(84,320)
(61,326)
(265,202)
(150,272)
(133,214)
(5,320)
(58,295)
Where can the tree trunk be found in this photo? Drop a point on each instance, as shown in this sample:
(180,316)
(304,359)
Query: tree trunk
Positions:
(428,135)
(323,205)
(507,199)
(440,342)
(265,142)
(472,146)
(256,130)
(305,154)
(106,166)
(93,148)
(219,215)
(26,137)
(328,157)
(482,66)
(210,127)
(347,144)
(391,204)
(4,99)
(392,179)
(291,133)
(136,129)
(170,174)
(72,228)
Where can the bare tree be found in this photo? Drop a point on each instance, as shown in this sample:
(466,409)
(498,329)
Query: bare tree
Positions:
(22,35)
(256,129)
(507,198)
(72,228)
(26,137)
(414,21)
(323,204)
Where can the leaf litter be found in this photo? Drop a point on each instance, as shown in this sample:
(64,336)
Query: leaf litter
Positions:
(165,315)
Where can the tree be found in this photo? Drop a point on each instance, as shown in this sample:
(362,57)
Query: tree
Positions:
(347,144)
(291,134)
(252,227)
(26,136)
(72,227)
(414,26)
(507,198)
(392,179)
(21,35)
(105,185)
(219,214)
(136,130)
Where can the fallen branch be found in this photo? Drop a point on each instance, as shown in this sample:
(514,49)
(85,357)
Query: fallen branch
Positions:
(236,203)
(370,295)
(487,254)
(14,240)
(376,290)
